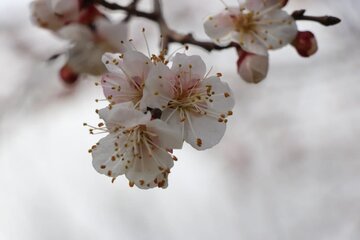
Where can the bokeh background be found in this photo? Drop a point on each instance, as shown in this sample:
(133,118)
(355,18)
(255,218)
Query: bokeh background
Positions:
(287,168)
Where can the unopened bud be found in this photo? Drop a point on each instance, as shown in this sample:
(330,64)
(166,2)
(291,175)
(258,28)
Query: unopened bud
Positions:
(305,44)
(251,67)
(68,75)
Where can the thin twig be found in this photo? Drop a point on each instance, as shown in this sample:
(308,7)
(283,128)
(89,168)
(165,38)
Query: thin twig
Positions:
(324,20)
(171,36)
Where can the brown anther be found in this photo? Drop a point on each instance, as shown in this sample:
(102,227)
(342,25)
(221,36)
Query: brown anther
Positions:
(109,173)
(226,95)
(102,166)
(161,184)
(131,184)
(219,74)
(229,113)
(199,142)
(142,182)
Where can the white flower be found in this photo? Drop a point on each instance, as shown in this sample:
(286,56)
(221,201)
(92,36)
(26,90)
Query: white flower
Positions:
(54,14)
(195,104)
(88,45)
(126,77)
(136,146)
(251,67)
(259,25)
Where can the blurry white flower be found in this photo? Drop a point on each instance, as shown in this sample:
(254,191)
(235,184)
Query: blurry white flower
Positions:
(89,44)
(258,25)
(126,76)
(251,67)
(195,104)
(305,44)
(136,146)
(55,14)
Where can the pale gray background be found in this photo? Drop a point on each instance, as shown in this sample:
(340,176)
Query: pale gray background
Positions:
(287,168)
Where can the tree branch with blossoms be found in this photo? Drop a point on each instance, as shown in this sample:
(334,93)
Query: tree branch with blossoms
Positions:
(156,103)
(171,36)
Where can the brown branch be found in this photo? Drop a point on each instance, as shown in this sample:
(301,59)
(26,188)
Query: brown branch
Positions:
(129,9)
(324,20)
(170,36)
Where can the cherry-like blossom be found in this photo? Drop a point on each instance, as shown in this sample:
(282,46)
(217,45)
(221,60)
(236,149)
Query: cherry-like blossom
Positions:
(125,79)
(136,146)
(55,14)
(89,44)
(257,26)
(191,101)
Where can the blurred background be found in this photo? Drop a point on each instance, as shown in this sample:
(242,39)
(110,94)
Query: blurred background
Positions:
(287,168)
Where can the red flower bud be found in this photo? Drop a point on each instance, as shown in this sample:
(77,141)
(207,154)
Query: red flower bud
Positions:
(251,67)
(68,75)
(305,44)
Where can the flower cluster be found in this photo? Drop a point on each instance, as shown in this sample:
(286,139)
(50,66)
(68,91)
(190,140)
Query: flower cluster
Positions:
(258,26)
(90,33)
(156,105)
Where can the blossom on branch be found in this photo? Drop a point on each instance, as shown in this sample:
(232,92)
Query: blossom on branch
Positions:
(55,14)
(136,146)
(192,102)
(257,26)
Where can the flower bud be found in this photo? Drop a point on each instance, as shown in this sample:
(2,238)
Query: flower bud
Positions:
(251,67)
(305,44)
(68,75)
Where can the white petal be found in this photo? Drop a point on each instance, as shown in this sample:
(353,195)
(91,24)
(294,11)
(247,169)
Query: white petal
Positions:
(76,33)
(203,132)
(259,5)
(114,33)
(158,88)
(84,57)
(223,99)
(117,88)
(136,64)
(123,114)
(279,31)
(43,16)
(167,137)
(112,61)
(133,64)
(190,67)
(66,10)
(253,68)
(251,42)
(144,171)
(219,27)
(105,159)
(62,7)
